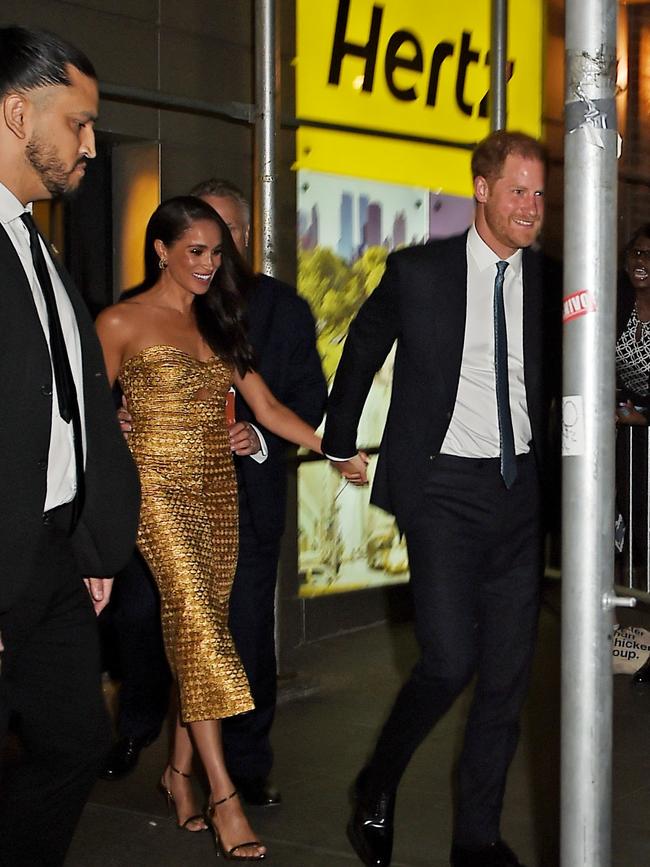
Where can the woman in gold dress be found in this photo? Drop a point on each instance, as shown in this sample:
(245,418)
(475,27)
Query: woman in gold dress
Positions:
(177,347)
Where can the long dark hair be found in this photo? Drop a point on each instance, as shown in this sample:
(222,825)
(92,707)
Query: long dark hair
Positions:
(221,311)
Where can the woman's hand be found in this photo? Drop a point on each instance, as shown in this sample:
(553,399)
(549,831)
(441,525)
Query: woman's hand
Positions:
(627,414)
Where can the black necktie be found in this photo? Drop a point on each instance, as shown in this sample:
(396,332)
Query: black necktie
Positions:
(506,436)
(65,387)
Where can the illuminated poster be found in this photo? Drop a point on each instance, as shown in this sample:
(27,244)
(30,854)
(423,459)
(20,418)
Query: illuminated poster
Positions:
(346,228)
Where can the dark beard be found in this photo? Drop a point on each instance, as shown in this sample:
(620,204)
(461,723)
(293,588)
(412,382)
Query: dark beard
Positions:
(45,162)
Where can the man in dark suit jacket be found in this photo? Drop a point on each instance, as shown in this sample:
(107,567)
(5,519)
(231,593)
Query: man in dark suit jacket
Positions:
(283,336)
(459,467)
(69,493)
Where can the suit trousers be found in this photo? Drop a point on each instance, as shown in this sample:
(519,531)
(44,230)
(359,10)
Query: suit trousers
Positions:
(246,740)
(51,691)
(475,560)
(134,615)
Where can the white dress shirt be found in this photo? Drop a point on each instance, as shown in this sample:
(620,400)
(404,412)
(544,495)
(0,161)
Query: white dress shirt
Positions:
(474,428)
(61,470)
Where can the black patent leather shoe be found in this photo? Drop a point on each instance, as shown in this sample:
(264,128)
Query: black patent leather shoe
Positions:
(497,854)
(370,829)
(257,791)
(123,757)
(641,677)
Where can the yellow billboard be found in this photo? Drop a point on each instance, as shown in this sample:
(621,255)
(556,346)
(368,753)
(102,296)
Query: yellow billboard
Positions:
(398,90)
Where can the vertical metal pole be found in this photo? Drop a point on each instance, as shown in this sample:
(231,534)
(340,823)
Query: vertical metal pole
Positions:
(265,135)
(498,62)
(590,149)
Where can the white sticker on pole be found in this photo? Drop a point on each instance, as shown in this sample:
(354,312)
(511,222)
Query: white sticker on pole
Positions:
(573,428)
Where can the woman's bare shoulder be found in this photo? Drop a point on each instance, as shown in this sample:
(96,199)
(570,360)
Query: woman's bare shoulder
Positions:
(120,316)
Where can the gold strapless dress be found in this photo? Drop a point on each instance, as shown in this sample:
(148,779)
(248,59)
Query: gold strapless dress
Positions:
(188,529)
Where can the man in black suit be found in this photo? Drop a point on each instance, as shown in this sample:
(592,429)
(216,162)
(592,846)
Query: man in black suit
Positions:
(459,467)
(283,336)
(69,493)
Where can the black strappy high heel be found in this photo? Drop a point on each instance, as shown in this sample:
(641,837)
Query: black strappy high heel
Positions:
(230,854)
(171,803)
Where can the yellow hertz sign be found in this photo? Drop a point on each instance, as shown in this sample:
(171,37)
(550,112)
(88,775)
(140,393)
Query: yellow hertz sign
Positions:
(397,90)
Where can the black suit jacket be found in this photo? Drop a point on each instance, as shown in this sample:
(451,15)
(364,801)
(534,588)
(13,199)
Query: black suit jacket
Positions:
(421,303)
(105,534)
(282,334)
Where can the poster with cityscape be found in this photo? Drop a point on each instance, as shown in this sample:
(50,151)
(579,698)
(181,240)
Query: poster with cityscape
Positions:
(346,228)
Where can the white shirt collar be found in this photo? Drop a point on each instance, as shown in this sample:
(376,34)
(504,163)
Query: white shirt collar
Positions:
(10,206)
(484,257)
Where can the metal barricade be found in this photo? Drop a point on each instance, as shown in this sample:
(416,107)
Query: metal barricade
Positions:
(632,498)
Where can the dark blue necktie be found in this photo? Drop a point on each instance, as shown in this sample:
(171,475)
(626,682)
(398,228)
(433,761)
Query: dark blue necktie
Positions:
(65,387)
(506,436)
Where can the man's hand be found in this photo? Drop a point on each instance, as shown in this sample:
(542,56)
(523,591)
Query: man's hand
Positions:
(243,438)
(124,418)
(354,470)
(100,592)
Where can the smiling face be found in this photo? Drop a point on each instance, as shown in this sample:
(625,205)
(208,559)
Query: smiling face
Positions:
(510,209)
(637,263)
(194,258)
(60,136)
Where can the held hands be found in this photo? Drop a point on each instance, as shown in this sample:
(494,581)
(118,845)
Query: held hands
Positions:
(243,438)
(354,470)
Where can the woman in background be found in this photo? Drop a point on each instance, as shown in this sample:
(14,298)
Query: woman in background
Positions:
(633,397)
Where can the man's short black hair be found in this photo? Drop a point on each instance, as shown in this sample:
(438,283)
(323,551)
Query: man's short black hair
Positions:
(32,58)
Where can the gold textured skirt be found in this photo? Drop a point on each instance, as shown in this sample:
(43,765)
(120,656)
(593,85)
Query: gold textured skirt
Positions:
(188,529)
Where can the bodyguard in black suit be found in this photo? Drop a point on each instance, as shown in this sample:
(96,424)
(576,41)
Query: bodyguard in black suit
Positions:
(282,334)
(69,493)
(459,467)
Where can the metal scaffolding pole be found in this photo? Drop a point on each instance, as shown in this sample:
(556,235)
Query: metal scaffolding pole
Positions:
(498,64)
(265,135)
(590,187)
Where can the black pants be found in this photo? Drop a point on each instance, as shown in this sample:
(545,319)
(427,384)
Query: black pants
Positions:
(475,559)
(134,615)
(252,623)
(51,690)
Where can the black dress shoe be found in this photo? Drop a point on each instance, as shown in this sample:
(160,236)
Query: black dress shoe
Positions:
(497,854)
(370,829)
(123,757)
(257,791)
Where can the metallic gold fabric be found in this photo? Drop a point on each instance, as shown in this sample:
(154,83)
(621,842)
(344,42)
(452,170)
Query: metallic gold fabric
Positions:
(188,522)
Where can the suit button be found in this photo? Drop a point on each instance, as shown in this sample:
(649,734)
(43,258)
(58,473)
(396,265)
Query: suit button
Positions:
(42,464)
(432,457)
(46,390)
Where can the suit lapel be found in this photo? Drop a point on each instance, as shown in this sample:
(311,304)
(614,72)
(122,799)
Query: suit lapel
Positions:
(19,293)
(449,275)
(532,285)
